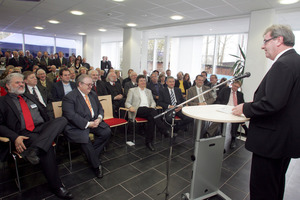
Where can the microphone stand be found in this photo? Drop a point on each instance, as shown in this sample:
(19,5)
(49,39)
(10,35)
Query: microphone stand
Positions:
(247,74)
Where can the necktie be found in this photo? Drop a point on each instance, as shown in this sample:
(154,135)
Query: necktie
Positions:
(26,114)
(95,88)
(173,101)
(88,103)
(234,99)
(114,84)
(34,93)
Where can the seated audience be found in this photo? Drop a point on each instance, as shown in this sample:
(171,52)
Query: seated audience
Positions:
(187,78)
(119,77)
(116,92)
(24,121)
(154,86)
(52,75)
(130,84)
(72,74)
(43,80)
(85,115)
(64,86)
(141,104)
(145,73)
(98,86)
(128,78)
(206,82)
(171,96)
(82,70)
(162,80)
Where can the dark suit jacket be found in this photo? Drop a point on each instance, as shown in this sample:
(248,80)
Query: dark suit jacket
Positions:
(164,99)
(127,86)
(47,97)
(64,62)
(105,65)
(10,121)
(49,84)
(152,87)
(113,90)
(13,62)
(44,60)
(224,96)
(185,85)
(275,110)
(58,91)
(101,89)
(78,114)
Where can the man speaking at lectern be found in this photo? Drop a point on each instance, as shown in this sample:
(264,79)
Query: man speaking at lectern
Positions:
(273,134)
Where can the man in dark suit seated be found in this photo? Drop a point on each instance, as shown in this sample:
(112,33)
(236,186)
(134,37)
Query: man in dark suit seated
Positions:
(116,92)
(61,61)
(232,97)
(64,86)
(98,85)
(140,103)
(40,92)
(43,80)
(170,97)
(181,84)
(130,84)
(154,86)
(85,115)
(14,60)
(24,120)
(128,78)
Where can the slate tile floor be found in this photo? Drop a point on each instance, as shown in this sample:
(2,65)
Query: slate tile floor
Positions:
(135,173)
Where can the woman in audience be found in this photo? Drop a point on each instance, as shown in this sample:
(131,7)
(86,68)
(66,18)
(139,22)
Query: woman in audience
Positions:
(162,80)
(82,70)
(77,64)
(187,79)
(71,62)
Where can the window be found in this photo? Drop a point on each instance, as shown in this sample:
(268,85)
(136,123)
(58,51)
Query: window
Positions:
(114,52)
(35,43)
(155,54)
(66,46)
(10,41)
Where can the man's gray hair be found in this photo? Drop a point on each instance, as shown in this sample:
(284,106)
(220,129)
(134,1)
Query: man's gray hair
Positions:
(90,72)
(170,77)
(80,78)
(9,77)
(285,31)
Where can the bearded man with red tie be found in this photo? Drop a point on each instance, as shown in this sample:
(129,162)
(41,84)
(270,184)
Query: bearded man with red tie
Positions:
(24,120)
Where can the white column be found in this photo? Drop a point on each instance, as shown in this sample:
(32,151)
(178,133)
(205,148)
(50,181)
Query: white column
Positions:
(256,62)
(131,50)
(92,49)
(23,43)
(154,63)
(144,57)
(166,53)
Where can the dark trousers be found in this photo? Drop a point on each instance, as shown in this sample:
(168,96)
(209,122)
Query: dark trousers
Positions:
(149,114)
(267,179)
(42,138)
(185,120)
(93,150)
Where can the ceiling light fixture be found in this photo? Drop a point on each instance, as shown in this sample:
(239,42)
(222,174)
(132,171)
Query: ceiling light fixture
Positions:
(76,12)
(39,27)
(102,29)
(131,25)
(81,33)
(118,0)
(285,2)
(53,21)
(176,17)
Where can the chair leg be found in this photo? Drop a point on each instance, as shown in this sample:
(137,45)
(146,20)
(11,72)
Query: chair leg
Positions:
(126,127)
(17,173)
(70,156)
(134,124)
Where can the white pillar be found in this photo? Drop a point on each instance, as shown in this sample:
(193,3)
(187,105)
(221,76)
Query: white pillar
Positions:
(154,62)
(92,49)
(144,57)
(166,53)
(256,62)
(131,50)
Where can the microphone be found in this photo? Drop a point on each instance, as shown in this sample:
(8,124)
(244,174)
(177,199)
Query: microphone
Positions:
(245,75)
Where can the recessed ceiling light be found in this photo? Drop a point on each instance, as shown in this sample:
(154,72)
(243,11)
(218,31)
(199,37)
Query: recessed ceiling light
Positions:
(176,17)
(288,1)
(102,29)
(39,27)
(76,12)
(53,21)
(131,24)
(118,0)
(81,33)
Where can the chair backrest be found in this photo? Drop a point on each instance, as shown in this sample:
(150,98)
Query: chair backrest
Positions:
(57,109)
(107,106)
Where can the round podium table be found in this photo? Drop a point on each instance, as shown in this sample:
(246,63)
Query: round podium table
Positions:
(208,153)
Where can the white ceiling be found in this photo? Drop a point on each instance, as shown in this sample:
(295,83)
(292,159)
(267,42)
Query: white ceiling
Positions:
(152,16)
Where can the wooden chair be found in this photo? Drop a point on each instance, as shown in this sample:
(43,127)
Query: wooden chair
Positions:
(113,122)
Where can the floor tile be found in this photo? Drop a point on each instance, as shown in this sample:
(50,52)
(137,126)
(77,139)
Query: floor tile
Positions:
(176,164)
(141,196)
(117,193)
(118,162)
(149,162)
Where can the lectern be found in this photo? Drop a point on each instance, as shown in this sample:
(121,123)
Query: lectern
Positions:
(208,152)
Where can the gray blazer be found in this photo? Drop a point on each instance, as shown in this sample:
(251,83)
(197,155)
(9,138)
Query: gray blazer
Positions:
(134,99)
(209,99)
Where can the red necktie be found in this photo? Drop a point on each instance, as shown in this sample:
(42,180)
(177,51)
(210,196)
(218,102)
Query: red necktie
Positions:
(26,114)
(234,99)
(95,88)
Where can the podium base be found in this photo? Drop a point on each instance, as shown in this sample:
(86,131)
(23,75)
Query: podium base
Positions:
(186,196)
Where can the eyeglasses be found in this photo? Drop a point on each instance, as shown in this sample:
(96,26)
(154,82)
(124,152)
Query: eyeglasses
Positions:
(88,84)
(266,41)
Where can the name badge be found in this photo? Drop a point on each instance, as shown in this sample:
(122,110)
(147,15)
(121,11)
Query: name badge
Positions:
(33,106)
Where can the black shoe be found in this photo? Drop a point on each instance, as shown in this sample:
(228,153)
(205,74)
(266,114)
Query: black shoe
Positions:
(150,146)
(99,172)
(63,193)
(232,144)
(30,155)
